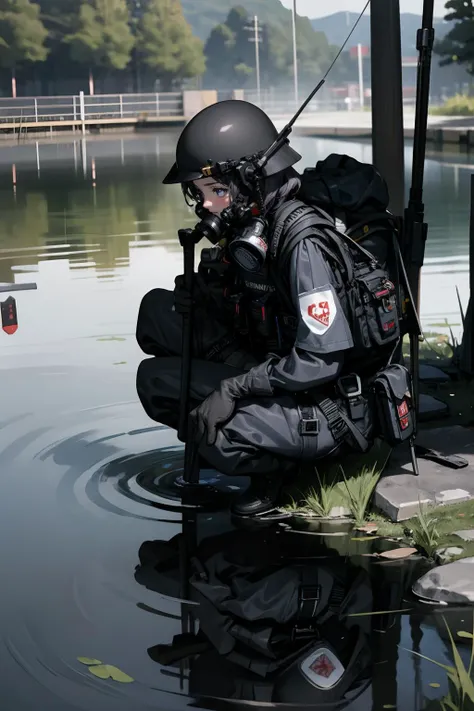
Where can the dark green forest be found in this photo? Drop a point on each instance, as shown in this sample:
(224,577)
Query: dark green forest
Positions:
(64,46)
(148,45)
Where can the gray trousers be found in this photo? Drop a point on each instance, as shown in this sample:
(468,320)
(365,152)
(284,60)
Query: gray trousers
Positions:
(262,437)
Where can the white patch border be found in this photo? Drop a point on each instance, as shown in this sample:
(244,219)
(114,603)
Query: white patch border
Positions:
(322,683)
(305,300)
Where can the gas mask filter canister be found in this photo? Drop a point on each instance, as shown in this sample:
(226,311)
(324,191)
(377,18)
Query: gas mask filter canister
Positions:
(249,250)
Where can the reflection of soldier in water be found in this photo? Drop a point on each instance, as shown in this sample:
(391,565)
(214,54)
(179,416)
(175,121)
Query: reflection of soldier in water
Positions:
(274,622)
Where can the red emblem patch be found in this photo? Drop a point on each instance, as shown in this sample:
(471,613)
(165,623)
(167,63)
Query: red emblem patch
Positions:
(320,312)
(322,666)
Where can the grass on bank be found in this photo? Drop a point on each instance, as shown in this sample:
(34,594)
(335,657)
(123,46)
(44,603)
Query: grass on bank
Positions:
(446,521)
(431,529)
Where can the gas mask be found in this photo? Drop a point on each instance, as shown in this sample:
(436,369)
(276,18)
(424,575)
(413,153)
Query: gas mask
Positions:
(247,243)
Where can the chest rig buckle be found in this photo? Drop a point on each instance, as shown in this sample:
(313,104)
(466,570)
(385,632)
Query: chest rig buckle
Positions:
(350,387)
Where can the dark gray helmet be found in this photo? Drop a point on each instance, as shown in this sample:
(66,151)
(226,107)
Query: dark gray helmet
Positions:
(228,130)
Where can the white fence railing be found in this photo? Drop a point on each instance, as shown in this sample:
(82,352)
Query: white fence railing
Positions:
(278,104)
(87,108)
(83,107)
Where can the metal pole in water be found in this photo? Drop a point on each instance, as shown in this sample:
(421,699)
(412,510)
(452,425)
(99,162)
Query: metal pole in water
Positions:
(38,166)
(295,55)
(361,75)
(83,111)
(257,56)
(84,156)
(387,98)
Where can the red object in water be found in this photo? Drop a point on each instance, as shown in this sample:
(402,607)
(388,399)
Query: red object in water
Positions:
(9,316)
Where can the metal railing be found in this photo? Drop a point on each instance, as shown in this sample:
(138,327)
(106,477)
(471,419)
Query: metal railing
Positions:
(87,108)
(281,104)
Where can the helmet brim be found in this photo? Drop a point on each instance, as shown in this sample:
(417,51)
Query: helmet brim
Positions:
(284,158)
(177,176)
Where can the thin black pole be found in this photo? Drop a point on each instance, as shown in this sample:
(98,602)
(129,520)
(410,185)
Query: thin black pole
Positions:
(387,99)
(469,327)
(416,229)
(188,239)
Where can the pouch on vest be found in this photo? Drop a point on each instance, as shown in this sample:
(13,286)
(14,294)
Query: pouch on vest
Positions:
(367,294)
(373,303)
(392,390)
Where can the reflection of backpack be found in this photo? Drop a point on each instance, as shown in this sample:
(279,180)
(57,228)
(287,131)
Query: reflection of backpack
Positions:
(341,188)
(274,625)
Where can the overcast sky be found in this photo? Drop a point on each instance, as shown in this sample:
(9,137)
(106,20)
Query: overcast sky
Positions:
(319,8)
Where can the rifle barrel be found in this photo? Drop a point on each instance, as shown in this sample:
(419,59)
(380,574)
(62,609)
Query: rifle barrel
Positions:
(424,43)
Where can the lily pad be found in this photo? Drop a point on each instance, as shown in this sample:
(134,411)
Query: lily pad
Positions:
(88,661)
(398,553)
(365,538)
(466,635)
(435,685)
(101,671)
(368,528)
(107,671)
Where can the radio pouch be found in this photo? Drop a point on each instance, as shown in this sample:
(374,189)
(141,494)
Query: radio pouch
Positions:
(395,413)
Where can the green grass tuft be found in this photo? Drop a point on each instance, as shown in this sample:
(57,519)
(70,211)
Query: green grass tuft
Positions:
(424,532)
(359,490)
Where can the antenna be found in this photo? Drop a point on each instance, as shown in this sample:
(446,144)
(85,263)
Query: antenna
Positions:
(285,132)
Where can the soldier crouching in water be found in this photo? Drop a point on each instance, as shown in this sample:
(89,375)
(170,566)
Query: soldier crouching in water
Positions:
(274,378)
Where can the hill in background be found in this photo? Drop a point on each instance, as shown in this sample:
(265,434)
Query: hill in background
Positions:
(336,27)
(203,15)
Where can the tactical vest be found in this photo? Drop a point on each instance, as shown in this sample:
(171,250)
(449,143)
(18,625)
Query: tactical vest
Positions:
(260,308)
(367,294)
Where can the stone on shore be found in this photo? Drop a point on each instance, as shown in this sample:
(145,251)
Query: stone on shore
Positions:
(399,492)
(447,553)
(452,583)
(465,535)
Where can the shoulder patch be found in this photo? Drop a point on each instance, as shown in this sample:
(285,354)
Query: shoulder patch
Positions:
(318,310)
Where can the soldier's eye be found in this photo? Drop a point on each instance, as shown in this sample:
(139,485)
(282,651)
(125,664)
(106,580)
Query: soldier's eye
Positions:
(220,192)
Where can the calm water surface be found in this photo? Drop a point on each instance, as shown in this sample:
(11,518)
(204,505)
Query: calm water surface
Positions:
(92,225)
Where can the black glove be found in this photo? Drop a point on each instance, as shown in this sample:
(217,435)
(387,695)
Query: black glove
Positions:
(183,299)
(219,407)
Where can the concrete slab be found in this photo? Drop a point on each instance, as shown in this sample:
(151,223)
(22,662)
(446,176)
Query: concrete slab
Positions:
(432,409)
(452,496)
(431,374)
(399,492)
(465,535)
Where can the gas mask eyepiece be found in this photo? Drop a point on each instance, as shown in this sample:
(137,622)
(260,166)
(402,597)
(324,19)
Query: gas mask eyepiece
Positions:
(249,250)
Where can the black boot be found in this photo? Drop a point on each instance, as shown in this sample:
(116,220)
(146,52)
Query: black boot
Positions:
(260,497)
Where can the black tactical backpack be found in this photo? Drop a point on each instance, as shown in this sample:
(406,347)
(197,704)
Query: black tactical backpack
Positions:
(355,196)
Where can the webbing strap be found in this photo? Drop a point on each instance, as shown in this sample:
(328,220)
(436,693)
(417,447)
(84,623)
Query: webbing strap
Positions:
(341,425)
(332,413)
(285,216)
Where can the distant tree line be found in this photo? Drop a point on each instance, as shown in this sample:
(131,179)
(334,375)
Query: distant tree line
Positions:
(142,45)
(56,46)
(457,46)
(51,41)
